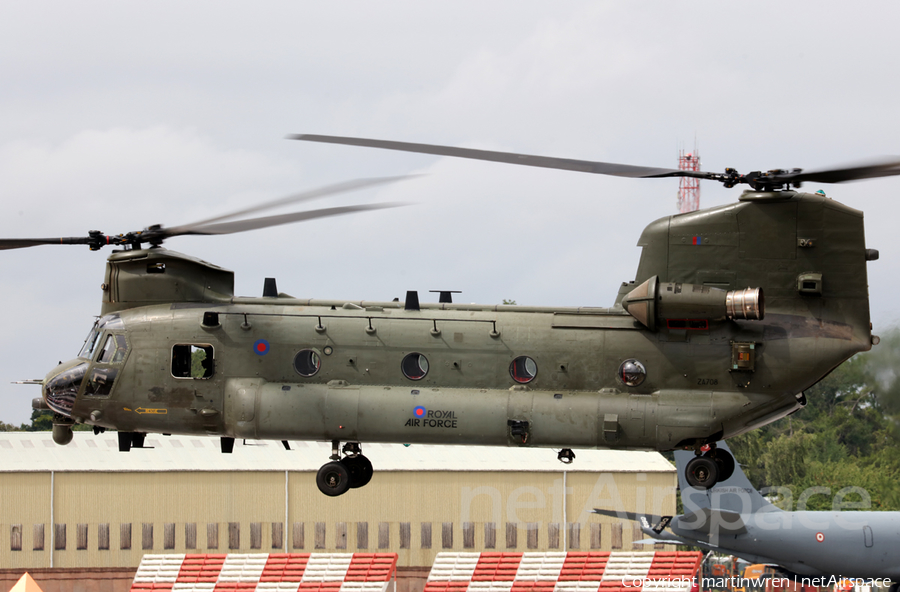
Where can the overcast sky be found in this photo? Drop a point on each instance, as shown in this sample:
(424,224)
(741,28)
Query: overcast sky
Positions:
(118,115)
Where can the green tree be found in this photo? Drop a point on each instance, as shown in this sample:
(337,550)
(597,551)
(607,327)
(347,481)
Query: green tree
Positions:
(41,421)
(198,356)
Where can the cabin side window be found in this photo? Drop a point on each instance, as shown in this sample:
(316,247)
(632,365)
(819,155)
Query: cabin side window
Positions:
(523,369)
(192,360)
(414,366)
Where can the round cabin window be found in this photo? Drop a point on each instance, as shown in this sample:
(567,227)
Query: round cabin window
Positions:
(632,373)
(414,366)
(523,369)
(307,362)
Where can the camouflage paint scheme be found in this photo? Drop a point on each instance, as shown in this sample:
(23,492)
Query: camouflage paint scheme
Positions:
(692,394)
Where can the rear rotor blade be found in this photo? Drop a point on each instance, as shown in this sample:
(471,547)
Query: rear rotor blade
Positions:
(887,167)
(771,180)
(549,162)
(267,221)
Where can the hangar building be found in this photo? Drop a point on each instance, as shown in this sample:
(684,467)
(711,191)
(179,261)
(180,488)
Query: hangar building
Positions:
(87,505)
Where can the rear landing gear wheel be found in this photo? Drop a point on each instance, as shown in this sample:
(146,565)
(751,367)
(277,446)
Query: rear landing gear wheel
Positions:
(333,479)
(702,472)
(724,463)
(360,469)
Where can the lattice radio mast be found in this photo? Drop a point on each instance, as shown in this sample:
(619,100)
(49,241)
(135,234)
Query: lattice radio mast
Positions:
(689,187)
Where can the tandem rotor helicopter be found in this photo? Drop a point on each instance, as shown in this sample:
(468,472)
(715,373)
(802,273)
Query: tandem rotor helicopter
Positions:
(734,311)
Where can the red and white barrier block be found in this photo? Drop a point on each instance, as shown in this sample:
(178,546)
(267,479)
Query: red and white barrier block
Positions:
(564,572)
(270,572)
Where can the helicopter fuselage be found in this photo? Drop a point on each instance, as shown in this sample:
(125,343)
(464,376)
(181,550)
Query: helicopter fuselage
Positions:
(178,353)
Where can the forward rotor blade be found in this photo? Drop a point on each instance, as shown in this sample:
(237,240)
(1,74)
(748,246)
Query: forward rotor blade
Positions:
(267,221)
(155,235)
(23,243)
(548,162)
(887,167)
(320,192)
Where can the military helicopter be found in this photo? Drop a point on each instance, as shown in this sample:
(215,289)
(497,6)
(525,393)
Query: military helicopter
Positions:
(734,311)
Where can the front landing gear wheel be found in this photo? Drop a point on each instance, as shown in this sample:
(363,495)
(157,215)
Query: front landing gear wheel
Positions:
(701,472)
(333,479)
(360,469)
(724,463)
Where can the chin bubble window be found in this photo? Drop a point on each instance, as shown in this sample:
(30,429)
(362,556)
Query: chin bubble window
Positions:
(414,366)
(307,362)
(632,373)
(523,369)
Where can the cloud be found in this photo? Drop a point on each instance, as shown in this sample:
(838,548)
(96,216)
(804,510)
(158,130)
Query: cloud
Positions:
(133,175)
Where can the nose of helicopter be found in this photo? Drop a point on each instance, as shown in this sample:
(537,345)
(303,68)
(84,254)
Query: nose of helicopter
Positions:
(61,386)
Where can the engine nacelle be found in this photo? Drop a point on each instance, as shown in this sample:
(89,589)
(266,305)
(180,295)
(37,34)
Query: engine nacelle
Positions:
(652,301)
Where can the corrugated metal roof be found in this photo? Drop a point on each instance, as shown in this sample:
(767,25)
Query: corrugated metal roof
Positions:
(36,451)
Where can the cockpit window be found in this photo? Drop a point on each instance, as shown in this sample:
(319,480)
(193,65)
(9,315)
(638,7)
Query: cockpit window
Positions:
(90,343)
(109,322)
(121,348)
(192,361)
(113,350)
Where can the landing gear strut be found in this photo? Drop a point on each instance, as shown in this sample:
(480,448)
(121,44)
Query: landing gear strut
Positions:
(129,440)
(709,467)
(352,471)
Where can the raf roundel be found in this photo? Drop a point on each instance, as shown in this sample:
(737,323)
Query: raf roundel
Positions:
(419,411)
(261,347)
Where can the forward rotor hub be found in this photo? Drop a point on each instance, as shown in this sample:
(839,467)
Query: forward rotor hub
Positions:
(773,180)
